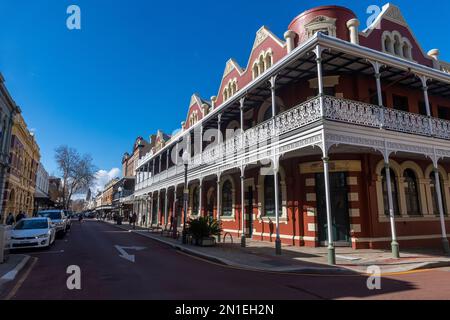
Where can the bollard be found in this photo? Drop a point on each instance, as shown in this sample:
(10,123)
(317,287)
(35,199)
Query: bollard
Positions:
(5,240)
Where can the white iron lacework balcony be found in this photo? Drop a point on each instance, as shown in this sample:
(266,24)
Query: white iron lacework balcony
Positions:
(390,119)
(307,113)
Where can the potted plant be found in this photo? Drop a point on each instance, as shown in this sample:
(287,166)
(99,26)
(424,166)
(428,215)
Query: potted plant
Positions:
(203,230)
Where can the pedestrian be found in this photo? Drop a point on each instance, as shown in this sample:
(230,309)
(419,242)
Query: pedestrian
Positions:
(20,216)
(80,218)
(10,219)
(143,220)
(134,219)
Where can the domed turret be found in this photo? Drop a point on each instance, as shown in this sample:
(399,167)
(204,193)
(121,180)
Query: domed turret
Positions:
(330,20)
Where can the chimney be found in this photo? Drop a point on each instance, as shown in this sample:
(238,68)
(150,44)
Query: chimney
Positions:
(213,102)
(205,108)
(434,54)
(289,36)
(353,26)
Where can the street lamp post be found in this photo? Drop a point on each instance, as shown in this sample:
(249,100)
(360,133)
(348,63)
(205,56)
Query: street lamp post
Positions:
(120,190)
(186,194)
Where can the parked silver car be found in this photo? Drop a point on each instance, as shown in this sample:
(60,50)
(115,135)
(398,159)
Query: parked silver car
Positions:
(59,219)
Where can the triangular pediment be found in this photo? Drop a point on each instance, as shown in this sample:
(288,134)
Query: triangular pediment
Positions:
(389,12)
(262,34)
(194,100)
(393,13)
(230,66)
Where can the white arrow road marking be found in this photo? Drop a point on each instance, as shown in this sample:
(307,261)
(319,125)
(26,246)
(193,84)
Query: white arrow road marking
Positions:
(125,255)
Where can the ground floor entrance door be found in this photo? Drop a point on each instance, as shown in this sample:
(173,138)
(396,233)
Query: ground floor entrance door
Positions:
(339,208)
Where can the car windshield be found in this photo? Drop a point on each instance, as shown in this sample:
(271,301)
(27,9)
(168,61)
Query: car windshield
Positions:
(31,224)
(53,215)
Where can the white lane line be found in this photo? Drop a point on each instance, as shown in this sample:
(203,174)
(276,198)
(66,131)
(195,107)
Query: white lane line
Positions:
(10,276)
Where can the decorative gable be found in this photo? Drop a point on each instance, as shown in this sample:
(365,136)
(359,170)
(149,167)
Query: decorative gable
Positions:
(230,66)
(394,14)
(391,34)
(198,108)
(262,34)
(160,140)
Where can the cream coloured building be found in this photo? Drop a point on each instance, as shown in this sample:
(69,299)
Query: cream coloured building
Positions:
(20,186)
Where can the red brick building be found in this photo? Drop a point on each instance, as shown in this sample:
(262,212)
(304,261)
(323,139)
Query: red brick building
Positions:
(321,114)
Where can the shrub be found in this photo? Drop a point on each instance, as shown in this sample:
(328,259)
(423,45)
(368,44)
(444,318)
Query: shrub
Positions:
(203,227)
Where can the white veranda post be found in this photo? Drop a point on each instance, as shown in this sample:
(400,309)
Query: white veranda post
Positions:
(331,249)
(166,209)
(326,161)
(243,236)
(218,204)
(440,202)
(395,245)
(200,198)
(275,165)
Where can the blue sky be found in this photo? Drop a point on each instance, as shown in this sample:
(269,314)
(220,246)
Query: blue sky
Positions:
(134,65)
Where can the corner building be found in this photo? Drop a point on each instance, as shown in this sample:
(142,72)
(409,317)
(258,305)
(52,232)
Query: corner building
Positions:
(338,124)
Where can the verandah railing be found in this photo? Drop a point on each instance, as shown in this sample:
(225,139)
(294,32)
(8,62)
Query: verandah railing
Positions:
(335,109)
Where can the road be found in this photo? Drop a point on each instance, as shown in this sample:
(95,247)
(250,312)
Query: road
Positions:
(160,272)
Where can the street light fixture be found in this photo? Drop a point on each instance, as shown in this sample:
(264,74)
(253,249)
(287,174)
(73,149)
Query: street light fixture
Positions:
(186,157)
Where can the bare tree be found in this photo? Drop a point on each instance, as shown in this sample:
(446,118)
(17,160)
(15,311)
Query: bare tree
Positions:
(77,172)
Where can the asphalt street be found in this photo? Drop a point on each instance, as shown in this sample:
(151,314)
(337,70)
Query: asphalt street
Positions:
(105,257)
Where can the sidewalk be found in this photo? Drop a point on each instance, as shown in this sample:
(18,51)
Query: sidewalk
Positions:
(11,268)
(261,256)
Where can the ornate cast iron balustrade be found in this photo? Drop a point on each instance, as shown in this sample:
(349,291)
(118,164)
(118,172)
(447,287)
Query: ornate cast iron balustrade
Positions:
(335,109)
(441,128)
(376,117)
(261,135)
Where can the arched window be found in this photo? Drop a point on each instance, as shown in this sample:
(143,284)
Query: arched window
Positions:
(262,67)
(269,196)
(268,60)
(195,201)
(434,194)
(394,192)
(397,46)
(387,44)
(225,94)
(411,193)
(255,71)
(406,50)
(227,199)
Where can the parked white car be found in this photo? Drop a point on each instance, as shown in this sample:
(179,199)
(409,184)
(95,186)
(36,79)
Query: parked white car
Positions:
(59,220)
(33,233)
